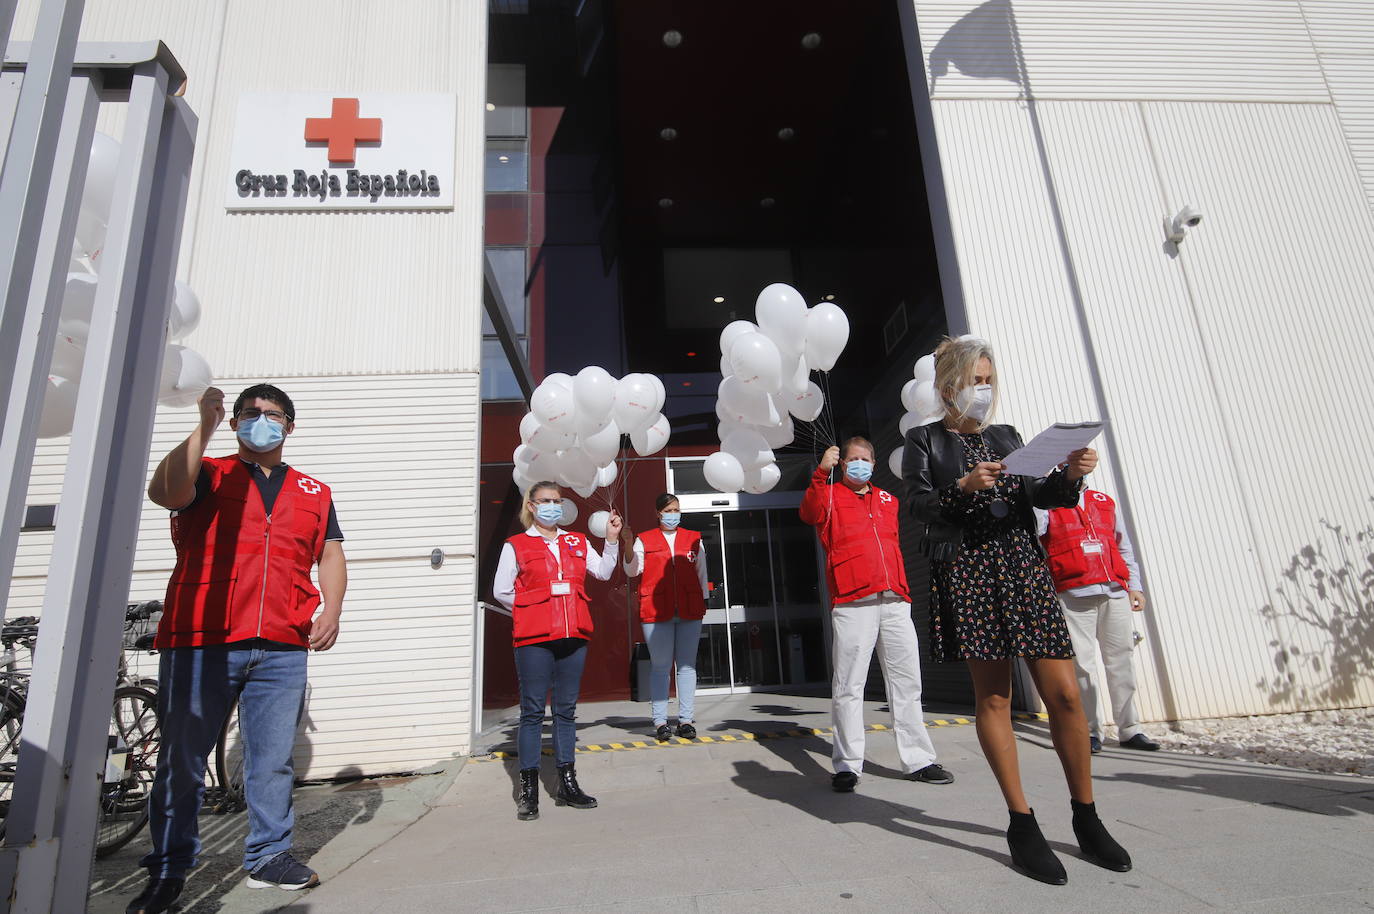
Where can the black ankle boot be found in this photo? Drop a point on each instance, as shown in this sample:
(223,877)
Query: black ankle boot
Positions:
(568,791)
(1030,853)
(527,803)
(1098,846)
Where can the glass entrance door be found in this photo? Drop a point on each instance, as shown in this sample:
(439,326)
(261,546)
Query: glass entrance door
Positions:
(763,627)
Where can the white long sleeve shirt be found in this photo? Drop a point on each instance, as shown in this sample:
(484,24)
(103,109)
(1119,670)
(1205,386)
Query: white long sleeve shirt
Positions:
(599,565)
(634,562)
(1123,545)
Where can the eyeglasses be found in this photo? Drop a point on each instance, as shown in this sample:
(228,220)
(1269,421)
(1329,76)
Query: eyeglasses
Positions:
(249,413)
(547,501)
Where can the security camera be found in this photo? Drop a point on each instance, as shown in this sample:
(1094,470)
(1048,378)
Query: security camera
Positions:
(1177,227)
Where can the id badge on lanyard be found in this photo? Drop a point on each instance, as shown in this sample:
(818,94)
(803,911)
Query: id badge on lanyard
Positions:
(561,588)
(1092,547)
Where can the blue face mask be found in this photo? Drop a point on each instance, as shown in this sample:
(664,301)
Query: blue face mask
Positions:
(859,470)
(549,515)
(261,434)
(671,519)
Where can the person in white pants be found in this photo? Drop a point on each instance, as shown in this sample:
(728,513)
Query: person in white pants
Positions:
(1094,568)
(857,525)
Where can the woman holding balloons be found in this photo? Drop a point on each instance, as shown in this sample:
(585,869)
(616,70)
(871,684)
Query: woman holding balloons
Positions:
(541,579)
(672,603)
(992,597)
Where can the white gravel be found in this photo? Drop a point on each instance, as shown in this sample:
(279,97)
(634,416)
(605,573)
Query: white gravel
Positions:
(1336,742)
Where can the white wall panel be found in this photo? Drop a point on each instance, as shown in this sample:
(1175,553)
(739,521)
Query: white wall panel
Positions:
(308,294)
(400,454)
(1283,274)
(1342,32)
(1182,49)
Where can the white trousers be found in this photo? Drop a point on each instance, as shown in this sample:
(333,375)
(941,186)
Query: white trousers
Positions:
(857,627)
(1103,625)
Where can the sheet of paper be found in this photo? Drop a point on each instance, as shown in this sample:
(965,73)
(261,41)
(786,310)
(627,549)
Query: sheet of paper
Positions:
(1051,447)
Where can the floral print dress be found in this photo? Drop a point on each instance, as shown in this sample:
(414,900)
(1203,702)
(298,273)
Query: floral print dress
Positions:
(995,599)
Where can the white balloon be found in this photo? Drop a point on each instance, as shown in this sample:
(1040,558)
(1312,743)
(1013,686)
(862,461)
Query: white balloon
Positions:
(606,475)
(523,454)
(809,405)
(782,315)
(723,472)
(651,440)
(733,331)
(894,461)
(78,306)
(762,479)
(596,524)
(780,435)
(908,422)
(577,466)
(561,379)
(184,316)
(928,405)
(634,407)
(745,406)
(185,375)
(554,406)
(543,468)
(795,374)
(521,482)
(925,368)
(602,446)
(660,392)
(585,491)
(590,425)
(569,513)
(909,395)
(726,370)
(749,447)
(68,358)
(757,363)
(59,408)
(101,168)
(725,426)
(827,331)
(542,438)
(594,393)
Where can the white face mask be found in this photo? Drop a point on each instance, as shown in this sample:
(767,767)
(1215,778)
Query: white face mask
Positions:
(974,402)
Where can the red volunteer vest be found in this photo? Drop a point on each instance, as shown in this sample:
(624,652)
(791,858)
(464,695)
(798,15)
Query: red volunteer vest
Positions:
(239,573)
(1064,538)
(669,586)
(859,533)
(539,614)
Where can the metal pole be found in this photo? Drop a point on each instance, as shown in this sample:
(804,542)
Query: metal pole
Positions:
(27,172)
(20,431)
(7,8)
(63,749)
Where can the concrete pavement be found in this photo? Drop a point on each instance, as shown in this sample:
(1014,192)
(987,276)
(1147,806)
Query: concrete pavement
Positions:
(751,825)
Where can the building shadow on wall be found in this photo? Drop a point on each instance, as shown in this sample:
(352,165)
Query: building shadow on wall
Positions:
(1322,620)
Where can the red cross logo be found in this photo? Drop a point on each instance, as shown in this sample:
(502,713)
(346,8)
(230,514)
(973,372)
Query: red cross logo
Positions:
(343,130)
(308,485)
(884,496)
(572,541)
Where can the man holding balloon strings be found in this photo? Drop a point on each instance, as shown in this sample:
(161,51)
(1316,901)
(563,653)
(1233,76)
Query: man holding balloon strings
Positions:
(857,525)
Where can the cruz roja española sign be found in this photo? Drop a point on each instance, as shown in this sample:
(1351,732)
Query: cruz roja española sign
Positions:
(317,151)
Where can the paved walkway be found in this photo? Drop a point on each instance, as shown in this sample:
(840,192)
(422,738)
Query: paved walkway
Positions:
(752,826)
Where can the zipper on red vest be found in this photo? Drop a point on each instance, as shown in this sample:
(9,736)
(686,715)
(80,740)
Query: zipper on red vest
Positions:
(266,548)
(886,577)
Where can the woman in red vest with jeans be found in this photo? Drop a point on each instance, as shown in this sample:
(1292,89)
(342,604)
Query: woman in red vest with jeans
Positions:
(541,578)
(672,602)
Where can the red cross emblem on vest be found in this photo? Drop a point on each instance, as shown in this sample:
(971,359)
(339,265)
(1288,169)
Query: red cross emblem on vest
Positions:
(572,541)
(343,130)
(1099,496)
(308,485)
(884,496)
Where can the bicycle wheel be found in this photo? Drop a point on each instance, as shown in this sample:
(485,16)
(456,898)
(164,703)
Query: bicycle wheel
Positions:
(11,719)
(124,802)
(229,765)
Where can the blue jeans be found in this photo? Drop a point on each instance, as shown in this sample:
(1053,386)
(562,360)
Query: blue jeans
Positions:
(674,641)
(197,687)
(555,665)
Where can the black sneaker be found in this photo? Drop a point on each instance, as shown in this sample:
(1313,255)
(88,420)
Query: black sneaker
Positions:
(843,781)
(663,733)
(283,872)
(1094,745)
(157,896)
(687,731)
(933,774)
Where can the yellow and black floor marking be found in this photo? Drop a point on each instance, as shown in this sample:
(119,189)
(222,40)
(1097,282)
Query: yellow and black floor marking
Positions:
(631,745)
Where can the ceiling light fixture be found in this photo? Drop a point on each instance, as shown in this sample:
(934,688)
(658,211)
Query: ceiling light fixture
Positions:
(811,40)
(665,202)
(829,297)
(719,299)
(503,159)
(787,134)
(667,134)
(767,202)
(491,106)
(672,38)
